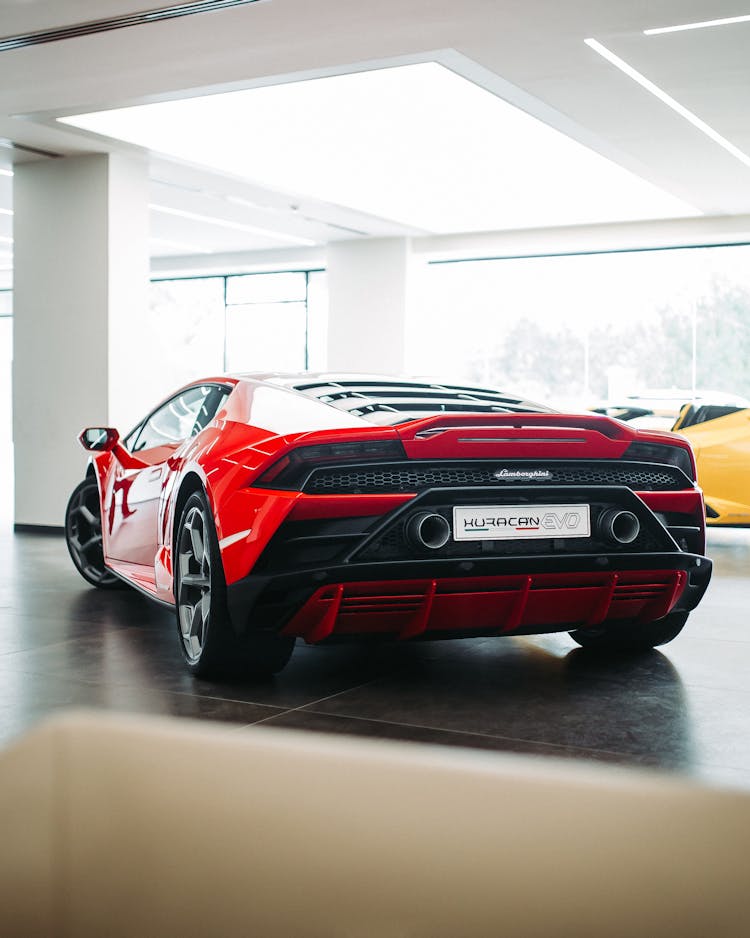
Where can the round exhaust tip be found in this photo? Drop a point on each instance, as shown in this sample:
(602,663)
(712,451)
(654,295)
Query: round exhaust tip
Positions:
(427,529)
(618,526)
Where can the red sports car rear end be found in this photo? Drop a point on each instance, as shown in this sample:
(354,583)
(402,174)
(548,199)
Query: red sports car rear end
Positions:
(330,508)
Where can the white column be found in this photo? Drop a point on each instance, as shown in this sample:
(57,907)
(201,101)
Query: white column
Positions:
(80,300)
(369,292)
(136,383)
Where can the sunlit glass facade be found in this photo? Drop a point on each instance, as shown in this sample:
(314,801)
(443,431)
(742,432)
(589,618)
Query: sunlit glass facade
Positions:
(239,323)
(580,328)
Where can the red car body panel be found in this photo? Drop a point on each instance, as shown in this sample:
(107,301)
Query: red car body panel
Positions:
(262,423)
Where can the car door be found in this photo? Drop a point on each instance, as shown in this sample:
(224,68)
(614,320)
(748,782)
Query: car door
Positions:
(131,502)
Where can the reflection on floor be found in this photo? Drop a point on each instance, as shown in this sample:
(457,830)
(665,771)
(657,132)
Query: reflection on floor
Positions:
(685,709)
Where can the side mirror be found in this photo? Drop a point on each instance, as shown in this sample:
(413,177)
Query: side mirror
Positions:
(99,439)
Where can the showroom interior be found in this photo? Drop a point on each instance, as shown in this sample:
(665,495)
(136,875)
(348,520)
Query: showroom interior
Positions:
(550,199)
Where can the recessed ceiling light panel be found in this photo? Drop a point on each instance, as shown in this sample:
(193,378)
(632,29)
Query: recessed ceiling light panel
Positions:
(417,144)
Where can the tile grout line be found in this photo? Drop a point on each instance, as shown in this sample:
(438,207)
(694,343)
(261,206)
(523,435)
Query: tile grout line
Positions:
(437,729)
(313,702)
(185,693)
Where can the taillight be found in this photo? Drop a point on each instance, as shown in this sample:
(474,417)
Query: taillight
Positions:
(293,468)
(663,453)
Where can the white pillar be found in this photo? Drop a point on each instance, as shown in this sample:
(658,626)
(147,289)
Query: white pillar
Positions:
(368,290)
(80,301)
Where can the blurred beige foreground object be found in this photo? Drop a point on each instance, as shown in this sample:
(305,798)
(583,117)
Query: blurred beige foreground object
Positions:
(117,826)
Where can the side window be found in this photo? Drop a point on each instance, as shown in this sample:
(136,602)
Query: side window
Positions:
(129,441)
(173,422)
(209,408)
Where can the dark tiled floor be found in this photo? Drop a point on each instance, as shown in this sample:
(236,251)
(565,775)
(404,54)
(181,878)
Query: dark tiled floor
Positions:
(685,709)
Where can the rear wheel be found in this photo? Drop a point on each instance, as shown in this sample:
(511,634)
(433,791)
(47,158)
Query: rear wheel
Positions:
(209,644)
(83,535)
(632,637)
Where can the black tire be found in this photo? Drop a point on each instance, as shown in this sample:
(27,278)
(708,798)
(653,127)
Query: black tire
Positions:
(83,535)
(209,644)
(632,637)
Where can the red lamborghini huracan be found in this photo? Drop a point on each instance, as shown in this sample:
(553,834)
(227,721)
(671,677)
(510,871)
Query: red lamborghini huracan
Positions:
(266,508)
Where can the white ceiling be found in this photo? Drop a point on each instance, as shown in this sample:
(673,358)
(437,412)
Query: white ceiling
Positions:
(531,52)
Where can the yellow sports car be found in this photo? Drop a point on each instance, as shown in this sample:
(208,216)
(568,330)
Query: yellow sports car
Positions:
(720,436)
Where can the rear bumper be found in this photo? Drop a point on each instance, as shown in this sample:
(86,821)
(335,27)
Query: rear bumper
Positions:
(448,598)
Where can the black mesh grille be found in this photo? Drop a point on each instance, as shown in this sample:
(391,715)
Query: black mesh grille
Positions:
(414,477)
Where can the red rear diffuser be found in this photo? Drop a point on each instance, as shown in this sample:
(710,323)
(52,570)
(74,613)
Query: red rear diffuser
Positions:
(496,605)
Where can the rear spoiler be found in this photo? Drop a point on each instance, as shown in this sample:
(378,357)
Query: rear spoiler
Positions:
(440,423)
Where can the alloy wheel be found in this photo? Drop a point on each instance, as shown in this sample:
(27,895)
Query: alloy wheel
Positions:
(194,582)
(83,530)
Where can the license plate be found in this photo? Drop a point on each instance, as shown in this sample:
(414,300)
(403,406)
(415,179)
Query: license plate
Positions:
(511,522)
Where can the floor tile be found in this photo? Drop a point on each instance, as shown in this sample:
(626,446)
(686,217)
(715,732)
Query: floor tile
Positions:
(683,709)
(25,699)
(309,720)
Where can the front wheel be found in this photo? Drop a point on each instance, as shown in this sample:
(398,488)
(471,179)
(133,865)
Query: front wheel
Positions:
(640,636)
(83,535)
(209,644)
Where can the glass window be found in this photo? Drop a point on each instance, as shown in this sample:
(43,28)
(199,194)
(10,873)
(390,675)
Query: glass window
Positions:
(271,322)
(209,408)
(576,330)
(174,421)
(266,337)
(187,327)
(267,288)
(130,439)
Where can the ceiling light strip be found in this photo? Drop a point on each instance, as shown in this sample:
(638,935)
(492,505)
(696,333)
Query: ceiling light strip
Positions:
(91,27)
(727,21)
(236,226)
(668,100)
